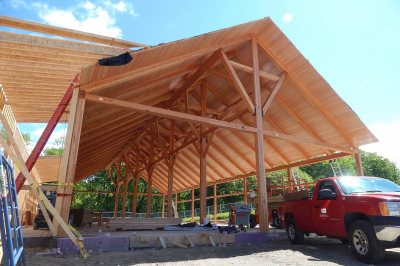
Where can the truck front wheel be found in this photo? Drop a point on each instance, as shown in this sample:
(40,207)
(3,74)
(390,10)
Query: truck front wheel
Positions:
(294,234)
(364,244)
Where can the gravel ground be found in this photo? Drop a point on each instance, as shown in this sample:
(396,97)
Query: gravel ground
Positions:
(315,251)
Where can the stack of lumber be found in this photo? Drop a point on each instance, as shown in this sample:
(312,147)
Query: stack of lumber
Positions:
(130,223)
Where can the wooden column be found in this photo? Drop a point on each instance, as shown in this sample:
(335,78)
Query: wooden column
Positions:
(203,159)
(136,180)
(290,179)
(171,163)
(192,204)
(116,200)
(68,164)
(125,193)
(215,203)
(245,189)
(176,206)
(163,206)
(135,194)
(259,141)
(149,188)
(357,157)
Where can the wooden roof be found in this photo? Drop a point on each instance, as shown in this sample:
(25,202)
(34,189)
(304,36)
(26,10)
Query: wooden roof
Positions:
(48,168)
(36,71)
(305,118)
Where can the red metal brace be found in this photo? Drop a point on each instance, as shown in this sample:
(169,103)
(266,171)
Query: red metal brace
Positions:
(30,162)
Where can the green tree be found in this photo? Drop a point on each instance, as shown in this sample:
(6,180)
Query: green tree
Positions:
(58,149)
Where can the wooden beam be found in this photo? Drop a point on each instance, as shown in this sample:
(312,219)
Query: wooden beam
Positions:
(238,84)
(357,157)
(259,143)
(271,97)
(63,32)
(248,69)
(69,158)
(160,112)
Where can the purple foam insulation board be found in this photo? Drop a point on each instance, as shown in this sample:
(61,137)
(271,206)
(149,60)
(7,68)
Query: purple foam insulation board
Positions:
(257,238)
(251,238)
(95,244)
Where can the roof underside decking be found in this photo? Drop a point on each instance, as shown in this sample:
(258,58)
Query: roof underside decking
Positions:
(305,119)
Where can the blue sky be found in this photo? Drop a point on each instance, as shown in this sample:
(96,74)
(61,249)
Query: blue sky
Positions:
(353,44)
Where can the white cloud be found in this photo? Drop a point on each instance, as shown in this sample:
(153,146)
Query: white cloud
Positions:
(389,141)
(287,17)
(57,134)
(90,16)
(18,4)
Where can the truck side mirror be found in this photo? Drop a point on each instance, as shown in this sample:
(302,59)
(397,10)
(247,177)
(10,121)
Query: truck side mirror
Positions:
(326,194)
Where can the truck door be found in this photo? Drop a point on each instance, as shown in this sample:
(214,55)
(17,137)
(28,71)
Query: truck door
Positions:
(327,213)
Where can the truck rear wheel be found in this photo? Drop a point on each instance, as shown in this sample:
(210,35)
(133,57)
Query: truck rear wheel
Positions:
(364,244)
(294,234)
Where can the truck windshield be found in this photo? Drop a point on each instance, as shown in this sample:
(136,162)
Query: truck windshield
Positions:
(352,185)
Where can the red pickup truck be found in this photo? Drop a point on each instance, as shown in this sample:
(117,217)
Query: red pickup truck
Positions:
(362,211)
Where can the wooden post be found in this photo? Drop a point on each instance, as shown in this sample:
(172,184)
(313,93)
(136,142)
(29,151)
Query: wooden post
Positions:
(171,163)
(68,164)
(125,193)
(192,204)
(136,180)
(290,179)
(245,189)
(163,206)
(203,159)
(215,203)
(259,141)
(116,200)
(149,188)
(176,206)
(357,157)
(135,194)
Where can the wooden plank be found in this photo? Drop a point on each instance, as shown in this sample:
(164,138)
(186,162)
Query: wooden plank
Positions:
(60,45)
(63,32)
(271,97)
(68,165)
(167,113)
(163,207)
(190,241)
(238,84)
(259,143)
(162,242)
(357,157)
(248,69)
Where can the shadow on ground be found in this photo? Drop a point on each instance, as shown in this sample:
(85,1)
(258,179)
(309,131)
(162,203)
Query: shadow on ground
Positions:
(315,251)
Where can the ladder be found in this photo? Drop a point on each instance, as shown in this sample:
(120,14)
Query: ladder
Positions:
(10,222)
(296,177)
(336,169)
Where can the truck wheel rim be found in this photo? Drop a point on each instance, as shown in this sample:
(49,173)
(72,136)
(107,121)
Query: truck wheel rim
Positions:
(360,242)
(292,231)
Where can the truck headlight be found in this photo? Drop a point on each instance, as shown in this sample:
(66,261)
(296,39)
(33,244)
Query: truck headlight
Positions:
(390,208)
